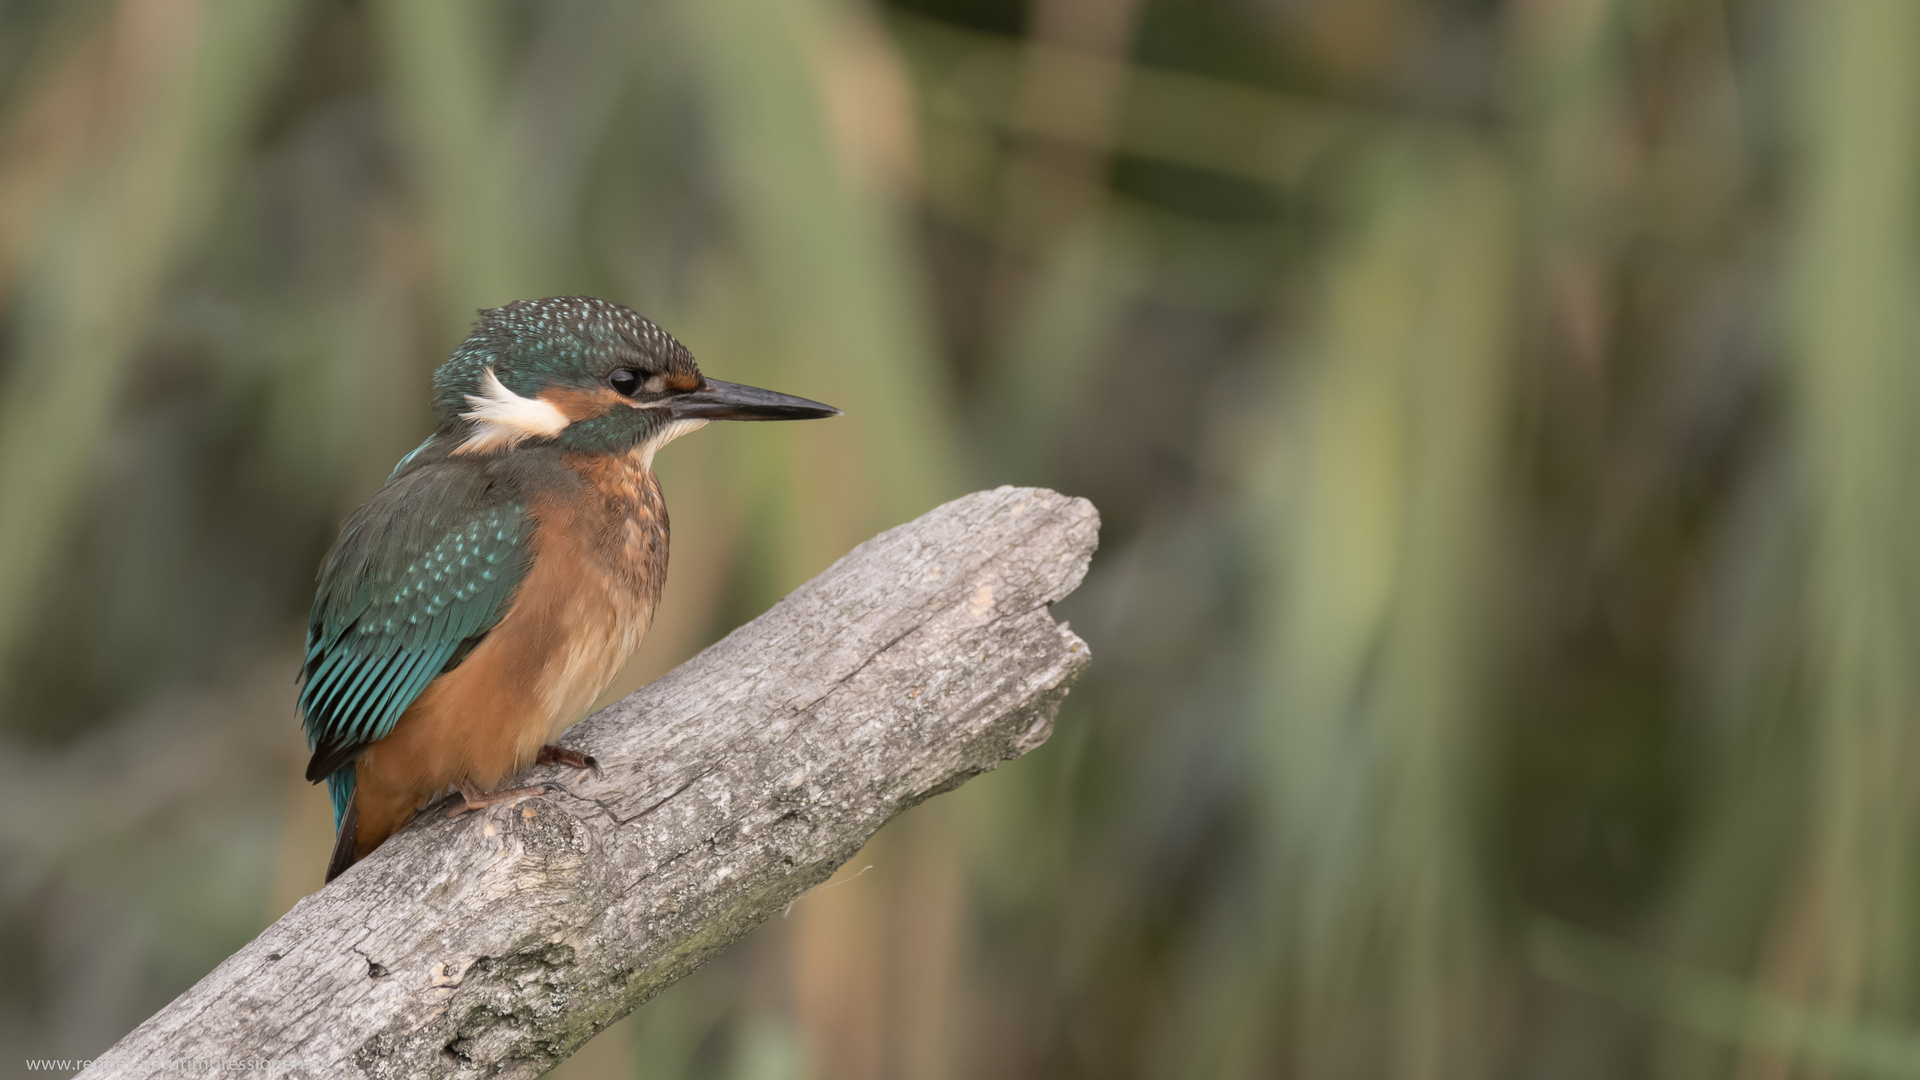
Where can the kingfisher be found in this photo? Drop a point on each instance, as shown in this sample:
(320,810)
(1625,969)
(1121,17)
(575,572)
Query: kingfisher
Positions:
(476,606)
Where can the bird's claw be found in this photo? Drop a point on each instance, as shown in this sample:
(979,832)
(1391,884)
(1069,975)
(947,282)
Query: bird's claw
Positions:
(574,759)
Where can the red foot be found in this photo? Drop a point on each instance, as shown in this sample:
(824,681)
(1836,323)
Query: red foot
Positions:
(573,759)
(475,799)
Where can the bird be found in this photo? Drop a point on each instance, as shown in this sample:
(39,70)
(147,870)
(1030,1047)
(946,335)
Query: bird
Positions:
(478,603)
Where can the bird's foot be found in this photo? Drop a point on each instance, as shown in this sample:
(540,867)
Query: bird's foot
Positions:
(572,759)
(472,798)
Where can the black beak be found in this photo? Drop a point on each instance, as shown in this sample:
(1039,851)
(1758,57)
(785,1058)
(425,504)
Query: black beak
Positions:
(716,400)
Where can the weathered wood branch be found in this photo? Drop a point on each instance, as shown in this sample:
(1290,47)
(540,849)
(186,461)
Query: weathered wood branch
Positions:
(497,942)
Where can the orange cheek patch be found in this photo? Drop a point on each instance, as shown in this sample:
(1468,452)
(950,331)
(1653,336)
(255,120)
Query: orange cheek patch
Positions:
(577,404)
(683,380)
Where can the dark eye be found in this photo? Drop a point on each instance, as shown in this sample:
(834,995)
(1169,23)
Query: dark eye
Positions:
(625,381)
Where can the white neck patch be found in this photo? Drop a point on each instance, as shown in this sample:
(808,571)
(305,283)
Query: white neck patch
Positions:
(673,430)
(503,419)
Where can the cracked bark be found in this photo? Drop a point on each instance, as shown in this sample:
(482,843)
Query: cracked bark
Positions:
(496,943)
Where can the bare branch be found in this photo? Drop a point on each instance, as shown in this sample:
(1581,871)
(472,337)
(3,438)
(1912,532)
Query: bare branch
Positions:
(498,942)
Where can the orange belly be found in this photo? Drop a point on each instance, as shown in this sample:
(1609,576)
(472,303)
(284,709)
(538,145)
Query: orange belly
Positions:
(599,557)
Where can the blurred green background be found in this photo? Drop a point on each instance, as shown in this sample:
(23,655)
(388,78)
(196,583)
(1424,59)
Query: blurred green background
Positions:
(1501,414)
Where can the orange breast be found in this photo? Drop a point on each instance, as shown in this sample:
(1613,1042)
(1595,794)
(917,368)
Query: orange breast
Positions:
(599,560)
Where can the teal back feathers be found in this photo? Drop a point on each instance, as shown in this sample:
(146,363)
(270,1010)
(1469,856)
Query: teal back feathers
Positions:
(417,578)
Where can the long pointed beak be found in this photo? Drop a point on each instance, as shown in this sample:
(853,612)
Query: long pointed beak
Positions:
(716,400)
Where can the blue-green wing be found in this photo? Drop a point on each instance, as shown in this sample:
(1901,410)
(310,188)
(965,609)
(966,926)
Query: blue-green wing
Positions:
(419,575)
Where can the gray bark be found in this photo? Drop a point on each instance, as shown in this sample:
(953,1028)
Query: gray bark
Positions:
(495,943)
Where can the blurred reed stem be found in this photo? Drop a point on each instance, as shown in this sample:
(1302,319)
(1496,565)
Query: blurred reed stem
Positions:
(1844,938)
(1731,1011)
(1369,738)
(829,265)
(972,80)
(188,78)
(443,58)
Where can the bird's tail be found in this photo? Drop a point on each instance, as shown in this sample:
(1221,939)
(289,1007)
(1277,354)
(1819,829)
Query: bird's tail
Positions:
(340,787)
(346,820)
